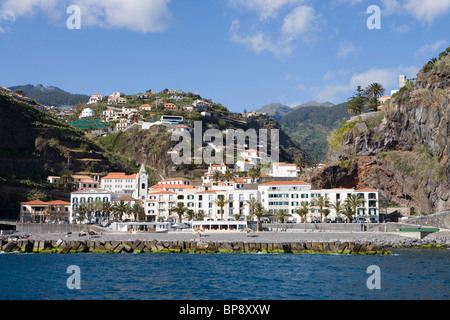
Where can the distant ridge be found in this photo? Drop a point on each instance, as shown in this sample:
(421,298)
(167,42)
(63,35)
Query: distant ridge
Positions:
(51,96)
(315,104)
(276,110)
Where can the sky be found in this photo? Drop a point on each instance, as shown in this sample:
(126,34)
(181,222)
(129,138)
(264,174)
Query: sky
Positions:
(243,54)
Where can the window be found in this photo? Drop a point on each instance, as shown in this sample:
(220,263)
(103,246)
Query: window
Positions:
(190,197)
(180,197)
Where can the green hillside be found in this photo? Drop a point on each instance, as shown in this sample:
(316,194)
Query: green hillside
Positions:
(309,126)
(51,96)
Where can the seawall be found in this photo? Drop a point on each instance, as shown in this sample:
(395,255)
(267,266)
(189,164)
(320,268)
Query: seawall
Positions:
(154,246)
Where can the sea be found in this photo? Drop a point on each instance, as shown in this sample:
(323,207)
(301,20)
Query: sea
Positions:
(406,274)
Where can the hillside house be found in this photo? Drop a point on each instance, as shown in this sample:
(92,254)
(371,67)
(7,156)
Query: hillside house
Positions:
(87,113)
(170,107)
(96,98)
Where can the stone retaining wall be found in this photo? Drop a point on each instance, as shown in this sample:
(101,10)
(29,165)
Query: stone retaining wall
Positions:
(154,246)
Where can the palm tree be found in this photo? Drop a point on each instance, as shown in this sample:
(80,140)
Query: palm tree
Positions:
(303,212)
(259,211)
(279,215)
(81,212)
(326,213)
(347,211)
(191,214)
(337,206)
(237,216)
(321,202)
(354,201)
(217,176)
(66,177)
(200,216)
(254,174)
(300,163)
(221,202)
(228,176)
(375,90)
(107,209)
(180,210)
(138,211)
(251,205)
(119,209)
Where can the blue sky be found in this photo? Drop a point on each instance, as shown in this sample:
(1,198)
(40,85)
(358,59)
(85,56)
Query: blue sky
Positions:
(241,53)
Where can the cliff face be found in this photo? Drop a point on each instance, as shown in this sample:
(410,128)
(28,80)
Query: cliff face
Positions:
(404,150)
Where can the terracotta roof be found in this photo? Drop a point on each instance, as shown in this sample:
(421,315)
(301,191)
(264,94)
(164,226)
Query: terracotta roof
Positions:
(365,189)
(284,183)
(35,203)
(59,202)
(160,191)
(119,175)
(172,186)
(208,191)
(124,198)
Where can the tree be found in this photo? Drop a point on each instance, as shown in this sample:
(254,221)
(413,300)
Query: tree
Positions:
(279,215)
(326,213)
(355,104)
(373,92)
(119,209)
(36,194)
(259,211)
(251,205)
(217,177)
(107,209)
(337,206)
(81,212)
(221,202)
(300,163)
(321,202)
(303,212)
(138,211)
(254,174)
(200,215)
(354,201)
(347,211)
(180,210)
(66,177)
(228,176)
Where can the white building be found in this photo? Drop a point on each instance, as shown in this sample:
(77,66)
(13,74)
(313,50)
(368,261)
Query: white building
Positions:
(134,185)
(243,166)
(89,196)
(284,170)
(96,98)
(87,113)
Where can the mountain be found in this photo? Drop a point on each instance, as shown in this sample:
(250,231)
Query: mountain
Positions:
(310,124)
(276,110)
(404,150)
(315,104)
(51,96)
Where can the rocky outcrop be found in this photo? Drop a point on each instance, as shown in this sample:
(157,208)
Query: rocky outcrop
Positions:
(404,150)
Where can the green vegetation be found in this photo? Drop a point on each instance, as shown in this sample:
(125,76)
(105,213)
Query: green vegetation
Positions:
(310,125)
(50,96)
(336,136)
(418,163)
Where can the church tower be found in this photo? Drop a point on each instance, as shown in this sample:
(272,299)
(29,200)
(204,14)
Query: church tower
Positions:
(142,186)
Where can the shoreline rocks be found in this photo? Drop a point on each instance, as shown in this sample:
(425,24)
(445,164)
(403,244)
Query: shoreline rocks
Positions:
(200,247)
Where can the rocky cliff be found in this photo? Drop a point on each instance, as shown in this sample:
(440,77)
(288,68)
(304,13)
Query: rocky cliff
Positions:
(404,150)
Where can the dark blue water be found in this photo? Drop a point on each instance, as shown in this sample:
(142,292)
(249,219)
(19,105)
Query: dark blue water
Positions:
(405,275)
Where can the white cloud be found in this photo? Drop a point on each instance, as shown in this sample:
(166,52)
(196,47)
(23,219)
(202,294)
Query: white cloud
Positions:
(266,9)
(338,92)
(422,10)
(135,15)
(432,49)
(298,22)
(427,10)
(257,42)
(347,47)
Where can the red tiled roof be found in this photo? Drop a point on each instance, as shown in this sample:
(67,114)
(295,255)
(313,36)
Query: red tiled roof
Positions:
(284,183)
(119,175)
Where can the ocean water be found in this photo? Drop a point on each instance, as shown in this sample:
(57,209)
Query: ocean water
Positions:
(404,275)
